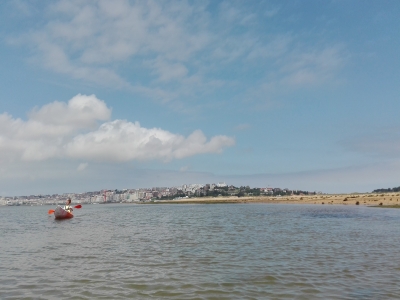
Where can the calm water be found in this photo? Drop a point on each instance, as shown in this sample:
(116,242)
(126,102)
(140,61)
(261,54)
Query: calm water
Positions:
(250,251)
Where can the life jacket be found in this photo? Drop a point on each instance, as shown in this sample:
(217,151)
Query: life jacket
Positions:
(67,208)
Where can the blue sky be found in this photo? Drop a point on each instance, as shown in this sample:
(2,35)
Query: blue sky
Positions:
(129,94)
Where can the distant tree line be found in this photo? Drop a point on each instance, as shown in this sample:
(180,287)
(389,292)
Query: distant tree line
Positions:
(389,190)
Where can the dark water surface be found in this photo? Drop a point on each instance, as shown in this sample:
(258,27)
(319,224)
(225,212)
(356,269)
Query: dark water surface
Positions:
(228,251)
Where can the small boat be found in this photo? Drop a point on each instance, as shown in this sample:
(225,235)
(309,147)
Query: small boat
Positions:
(60,213)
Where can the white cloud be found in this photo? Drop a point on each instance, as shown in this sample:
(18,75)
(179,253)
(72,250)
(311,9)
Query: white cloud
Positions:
(184,168)
(272,12)
(275,47)
(72,130)
(168,71)
(296,68)
(308,67)
(43,135)
(82,37)
(82,166)
(242,127)
(380,142)
(124,141)
(57,119)
(22,7)
(80,112)
(176,51)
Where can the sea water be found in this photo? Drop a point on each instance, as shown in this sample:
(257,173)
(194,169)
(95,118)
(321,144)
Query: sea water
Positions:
(221,251)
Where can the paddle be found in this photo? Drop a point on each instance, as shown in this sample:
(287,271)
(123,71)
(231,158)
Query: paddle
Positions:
(52,210)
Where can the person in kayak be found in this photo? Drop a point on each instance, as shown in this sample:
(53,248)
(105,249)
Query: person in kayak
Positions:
(67,206)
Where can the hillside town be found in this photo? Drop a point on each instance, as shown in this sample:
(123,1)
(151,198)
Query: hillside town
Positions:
(150,194)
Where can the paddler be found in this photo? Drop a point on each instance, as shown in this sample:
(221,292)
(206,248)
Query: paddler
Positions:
(67,206)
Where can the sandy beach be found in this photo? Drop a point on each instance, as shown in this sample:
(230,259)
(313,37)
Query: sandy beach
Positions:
(385,200)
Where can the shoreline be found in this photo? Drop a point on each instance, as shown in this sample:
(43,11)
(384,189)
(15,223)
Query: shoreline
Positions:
(387,200)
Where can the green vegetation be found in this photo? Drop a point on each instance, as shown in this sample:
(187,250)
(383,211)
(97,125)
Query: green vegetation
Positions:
(389,190)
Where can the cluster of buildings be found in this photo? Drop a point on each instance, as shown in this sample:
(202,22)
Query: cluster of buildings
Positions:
(149,194)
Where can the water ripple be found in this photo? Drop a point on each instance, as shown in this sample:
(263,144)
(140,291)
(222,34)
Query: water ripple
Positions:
(250,251)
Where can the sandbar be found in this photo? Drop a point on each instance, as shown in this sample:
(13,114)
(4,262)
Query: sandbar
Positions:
(391,200)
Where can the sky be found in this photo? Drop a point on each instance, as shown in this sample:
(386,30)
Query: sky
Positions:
(132,94)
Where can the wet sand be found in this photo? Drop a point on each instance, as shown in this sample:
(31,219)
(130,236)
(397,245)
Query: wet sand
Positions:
(384,200)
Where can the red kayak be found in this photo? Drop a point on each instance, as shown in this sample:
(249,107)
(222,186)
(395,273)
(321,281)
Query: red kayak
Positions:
(60,213)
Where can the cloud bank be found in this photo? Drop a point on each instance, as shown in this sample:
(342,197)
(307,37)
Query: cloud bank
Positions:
(74,130)
(55,177)
(381,143)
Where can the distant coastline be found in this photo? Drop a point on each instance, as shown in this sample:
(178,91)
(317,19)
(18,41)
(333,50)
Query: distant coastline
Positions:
(388,200)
